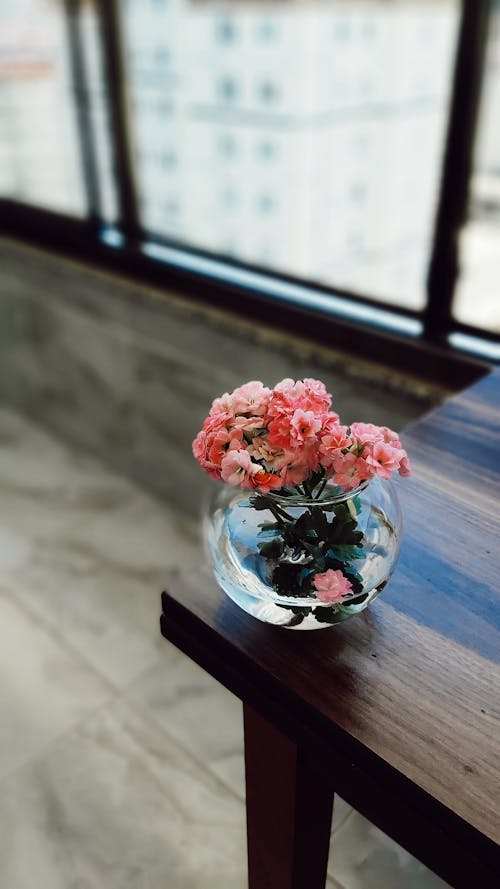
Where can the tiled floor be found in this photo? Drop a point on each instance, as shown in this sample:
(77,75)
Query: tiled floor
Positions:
(120,761)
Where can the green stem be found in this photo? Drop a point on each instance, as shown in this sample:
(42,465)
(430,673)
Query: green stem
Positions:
(279,514)
(322,488)
(307,488)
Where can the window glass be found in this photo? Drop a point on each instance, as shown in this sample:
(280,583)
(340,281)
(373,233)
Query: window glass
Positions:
(305,137)
(39,151)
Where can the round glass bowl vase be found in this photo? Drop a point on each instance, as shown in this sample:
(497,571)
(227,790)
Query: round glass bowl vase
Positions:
(267,549)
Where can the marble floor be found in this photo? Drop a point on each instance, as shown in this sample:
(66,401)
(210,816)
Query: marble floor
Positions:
(121,762)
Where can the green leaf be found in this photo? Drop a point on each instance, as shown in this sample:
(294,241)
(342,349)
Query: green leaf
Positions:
(335,530)
(295,620)
(320,564)
(304,523)
(286,579)
(326,615)
(345,553)
(345,533)
(269,533)
(351,573)
(289,535)
(259,501)
(332,562)
(268,526)
(320,522)
(271,549)
(354,578)
(304,578)
(342,513)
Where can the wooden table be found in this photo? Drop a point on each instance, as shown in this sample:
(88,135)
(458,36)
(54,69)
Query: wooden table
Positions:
(397,709)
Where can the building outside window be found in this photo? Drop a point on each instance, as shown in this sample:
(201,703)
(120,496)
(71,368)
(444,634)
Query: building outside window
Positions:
(328,118)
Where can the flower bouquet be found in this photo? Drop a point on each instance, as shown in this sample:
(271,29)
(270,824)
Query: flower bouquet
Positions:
(306,530)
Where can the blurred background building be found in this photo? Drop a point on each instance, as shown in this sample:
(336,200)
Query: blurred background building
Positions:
(303,137)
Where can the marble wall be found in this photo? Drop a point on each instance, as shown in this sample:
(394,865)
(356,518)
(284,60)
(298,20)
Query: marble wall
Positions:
(128,373)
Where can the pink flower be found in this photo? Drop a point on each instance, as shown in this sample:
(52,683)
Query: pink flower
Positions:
(266,481)
(304,425)
(365,433)
(251,398)
(200,451)
(294,472)
(210,448)
(330,423)
(273,458)
(237,468)
(287,434)
(350,470)
(295,430)
(222,405)
(279,433)
(404,466)
(383,458)
(199,446)
(390,437)
(316,396)
(332,586)
(333,443)
(219,443)
(308,395)
(217,420)
(281,401)
(250,426)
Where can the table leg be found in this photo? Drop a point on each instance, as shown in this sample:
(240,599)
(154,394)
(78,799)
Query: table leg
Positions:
(289,811)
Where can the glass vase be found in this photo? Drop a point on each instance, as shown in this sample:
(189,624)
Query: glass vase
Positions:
(267,550)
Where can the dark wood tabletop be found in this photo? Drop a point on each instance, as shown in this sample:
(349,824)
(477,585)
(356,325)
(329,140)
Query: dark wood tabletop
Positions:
(399,705)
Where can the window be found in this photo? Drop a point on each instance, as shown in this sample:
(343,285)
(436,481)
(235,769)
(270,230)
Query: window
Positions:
(324,141)
(40,159)
(225,31)
(355,94)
